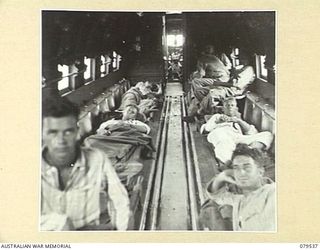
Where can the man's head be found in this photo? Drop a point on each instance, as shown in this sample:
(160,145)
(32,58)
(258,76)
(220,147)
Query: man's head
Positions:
(130,112)
(209,71)
(59,130)
(248,166)
(209,49)
(144,87)
(230,106)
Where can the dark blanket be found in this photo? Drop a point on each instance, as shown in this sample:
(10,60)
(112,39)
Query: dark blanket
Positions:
(120,143)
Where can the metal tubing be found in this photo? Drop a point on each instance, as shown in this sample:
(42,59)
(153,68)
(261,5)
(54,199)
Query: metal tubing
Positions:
(153,169)
(160,165)
(196,165)
(159,173)
(190,176)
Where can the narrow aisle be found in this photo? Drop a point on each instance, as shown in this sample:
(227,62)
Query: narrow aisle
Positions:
(174,89)
(174,213)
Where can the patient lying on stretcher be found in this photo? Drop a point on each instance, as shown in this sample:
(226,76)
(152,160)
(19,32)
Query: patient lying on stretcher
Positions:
(129,121)
(142,96)
(228,129)
(124,141)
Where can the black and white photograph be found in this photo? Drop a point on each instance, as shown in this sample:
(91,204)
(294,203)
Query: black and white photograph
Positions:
(158,121)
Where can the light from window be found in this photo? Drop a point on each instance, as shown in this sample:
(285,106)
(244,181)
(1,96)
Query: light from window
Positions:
(235,57)
(114,63)
(179,39)
(118,61)
(64,82)
(175,40)
(103,66)
(170,40)
(87,73)
(108,60)
(263,70)
(236,51)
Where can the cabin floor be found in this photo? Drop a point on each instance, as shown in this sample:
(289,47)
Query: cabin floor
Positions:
(208,165)
(174,195)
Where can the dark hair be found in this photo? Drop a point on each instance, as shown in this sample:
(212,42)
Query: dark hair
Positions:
(134,106)
(154,87)
(229,99)
(257,155)
(59,107)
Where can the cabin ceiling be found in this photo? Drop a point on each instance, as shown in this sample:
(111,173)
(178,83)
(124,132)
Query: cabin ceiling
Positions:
(68,35)
(251,30)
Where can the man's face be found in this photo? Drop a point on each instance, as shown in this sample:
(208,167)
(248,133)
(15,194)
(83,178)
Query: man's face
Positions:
(209,50)
(59,136)
(247,172)
(130,113)
(230,107)
(146,88)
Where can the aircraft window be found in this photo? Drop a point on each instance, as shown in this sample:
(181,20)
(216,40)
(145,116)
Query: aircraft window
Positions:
(103,67)
(118,61)
(175,40)
(64,82)
(262,72)
(88,72)
(235,57)
(115,60)
(109,60)
(236,51)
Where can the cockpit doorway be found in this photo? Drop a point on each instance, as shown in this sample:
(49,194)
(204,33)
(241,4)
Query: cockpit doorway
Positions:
(173,46)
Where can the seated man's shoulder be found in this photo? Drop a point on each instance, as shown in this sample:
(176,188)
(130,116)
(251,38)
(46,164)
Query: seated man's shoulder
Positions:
(268,189)
(130,93)
(271,187)
(93,154)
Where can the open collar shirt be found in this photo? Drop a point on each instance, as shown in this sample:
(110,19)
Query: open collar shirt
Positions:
(91,175)
(255,211)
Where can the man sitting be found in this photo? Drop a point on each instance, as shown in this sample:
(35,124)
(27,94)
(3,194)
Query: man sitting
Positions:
(209,53)
(241,198)
(78,185)
(201,89)
(208,92)
(228,129)
(241,76)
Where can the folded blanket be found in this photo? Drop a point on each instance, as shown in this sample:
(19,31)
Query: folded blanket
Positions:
(120,143)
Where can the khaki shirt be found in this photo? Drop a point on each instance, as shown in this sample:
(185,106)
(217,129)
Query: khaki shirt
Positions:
(90,177)
(251,212)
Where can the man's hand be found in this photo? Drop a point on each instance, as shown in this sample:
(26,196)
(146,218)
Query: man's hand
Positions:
(227,176)
(219,180)
(226,118)
(232,119)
